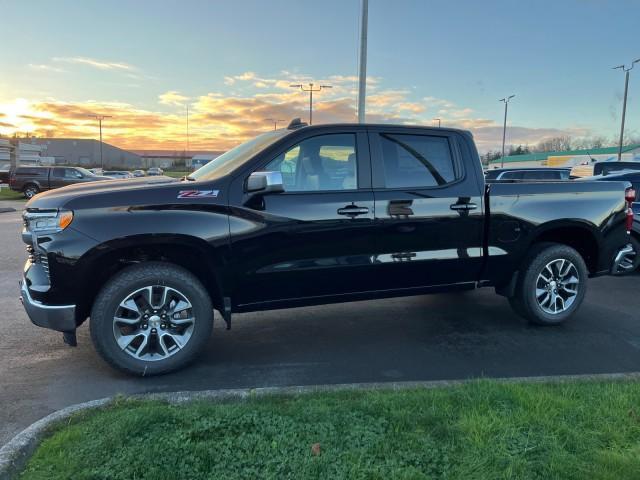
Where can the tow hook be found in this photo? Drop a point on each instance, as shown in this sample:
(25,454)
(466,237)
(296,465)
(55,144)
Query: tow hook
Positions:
(70,338)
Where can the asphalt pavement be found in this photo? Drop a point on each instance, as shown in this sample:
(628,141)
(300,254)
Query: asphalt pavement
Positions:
(449,336)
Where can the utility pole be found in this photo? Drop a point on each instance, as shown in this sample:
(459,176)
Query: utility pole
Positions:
(275,122)
(362,74)
(504,127)
(187,153)
(100,118)
(438,121)
(311,89)
(626,71)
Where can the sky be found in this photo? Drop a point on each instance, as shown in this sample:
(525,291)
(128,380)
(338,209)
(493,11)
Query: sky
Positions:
(231,63)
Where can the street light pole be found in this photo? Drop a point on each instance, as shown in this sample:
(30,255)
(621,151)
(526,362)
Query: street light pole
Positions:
(504,126)
(362,74)
(100,118)
(275,122)
(311,89)
(624,102)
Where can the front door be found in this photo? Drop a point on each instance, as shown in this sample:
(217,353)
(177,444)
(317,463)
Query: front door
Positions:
(428,209)
(316,239)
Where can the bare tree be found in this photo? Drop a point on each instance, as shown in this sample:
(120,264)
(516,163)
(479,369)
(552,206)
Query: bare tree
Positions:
(555,144)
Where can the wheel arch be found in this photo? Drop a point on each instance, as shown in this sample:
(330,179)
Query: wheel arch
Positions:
(105,260)
(582,236)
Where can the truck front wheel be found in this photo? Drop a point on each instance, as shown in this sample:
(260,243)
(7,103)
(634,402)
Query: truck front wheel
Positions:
(151,318)
(552,284)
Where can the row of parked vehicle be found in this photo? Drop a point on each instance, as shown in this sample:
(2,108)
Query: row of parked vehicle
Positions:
(602,171)
(33,180)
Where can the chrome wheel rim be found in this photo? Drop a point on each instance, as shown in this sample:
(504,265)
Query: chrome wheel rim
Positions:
(628,261)
(153,323)
(557,286)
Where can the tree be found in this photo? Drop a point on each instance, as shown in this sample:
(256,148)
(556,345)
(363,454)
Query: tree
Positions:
(555,144)
(519,150)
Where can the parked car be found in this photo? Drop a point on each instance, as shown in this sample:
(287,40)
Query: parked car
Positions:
(33,180)
(155,171)
(96,171)
(603,168)
(528,174)
(139,173)
(118,174)
(302,216)
(631,258)
(4,173)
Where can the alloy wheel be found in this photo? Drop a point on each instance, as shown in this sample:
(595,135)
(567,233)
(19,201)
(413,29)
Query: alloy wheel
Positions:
(557,286)
(153,323)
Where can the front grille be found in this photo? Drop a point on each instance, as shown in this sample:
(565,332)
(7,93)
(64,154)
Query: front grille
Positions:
(44,261)
(41,258)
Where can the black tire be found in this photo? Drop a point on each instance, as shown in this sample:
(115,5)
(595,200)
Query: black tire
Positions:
(30,190)
(525,302)
(135,277)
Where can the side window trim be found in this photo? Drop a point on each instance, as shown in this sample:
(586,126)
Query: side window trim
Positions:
(377,159)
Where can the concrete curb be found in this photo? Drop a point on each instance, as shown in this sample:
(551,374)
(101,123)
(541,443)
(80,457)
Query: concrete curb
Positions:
(15,454)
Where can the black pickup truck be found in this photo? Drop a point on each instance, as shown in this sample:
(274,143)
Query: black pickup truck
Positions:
(308,215)
(33,180)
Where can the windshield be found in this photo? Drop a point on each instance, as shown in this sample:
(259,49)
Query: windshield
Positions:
(229,161)
(85,172)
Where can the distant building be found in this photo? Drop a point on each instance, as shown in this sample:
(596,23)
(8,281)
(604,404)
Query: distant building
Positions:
(200,160)
(569,158)
(84,152)
(172,158)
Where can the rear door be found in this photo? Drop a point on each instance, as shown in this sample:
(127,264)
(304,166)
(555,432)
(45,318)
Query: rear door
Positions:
(428,205)
(315,239)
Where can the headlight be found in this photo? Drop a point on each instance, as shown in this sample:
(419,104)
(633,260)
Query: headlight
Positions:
(47,221)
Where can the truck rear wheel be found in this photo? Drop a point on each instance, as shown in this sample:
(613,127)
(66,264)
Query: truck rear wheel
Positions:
(151,318)
(552,284)
(30,190)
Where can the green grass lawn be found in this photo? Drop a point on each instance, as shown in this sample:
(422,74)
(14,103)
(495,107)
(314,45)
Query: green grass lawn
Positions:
(482,430)
(7,194)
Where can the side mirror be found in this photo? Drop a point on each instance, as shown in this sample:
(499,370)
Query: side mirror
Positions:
(265,182)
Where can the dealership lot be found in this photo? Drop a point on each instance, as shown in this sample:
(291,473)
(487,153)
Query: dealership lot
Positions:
(418,338)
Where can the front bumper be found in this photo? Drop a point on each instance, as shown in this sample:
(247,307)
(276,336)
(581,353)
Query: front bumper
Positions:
(56,317)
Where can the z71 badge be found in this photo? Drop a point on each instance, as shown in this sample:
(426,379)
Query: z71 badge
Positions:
(197,193)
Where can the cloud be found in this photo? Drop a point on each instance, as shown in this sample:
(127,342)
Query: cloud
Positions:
(172,97)
(219,121)
(101,65)
(45,68)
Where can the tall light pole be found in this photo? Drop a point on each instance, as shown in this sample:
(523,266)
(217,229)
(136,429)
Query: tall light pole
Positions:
(275,122)
(626,71)
(100,118)
(439,123)
(362,74)
(504,127)
(311,89)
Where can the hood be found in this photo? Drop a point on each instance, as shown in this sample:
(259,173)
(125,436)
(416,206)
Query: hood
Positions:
(118,191)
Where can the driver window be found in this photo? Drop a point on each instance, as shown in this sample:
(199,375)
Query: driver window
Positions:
(322,163)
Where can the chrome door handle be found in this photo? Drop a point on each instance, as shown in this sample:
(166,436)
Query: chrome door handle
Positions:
(463,206)
(353,210)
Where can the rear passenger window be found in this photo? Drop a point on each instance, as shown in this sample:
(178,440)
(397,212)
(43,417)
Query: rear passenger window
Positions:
(417,161)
